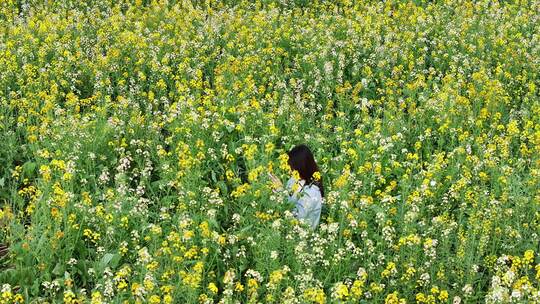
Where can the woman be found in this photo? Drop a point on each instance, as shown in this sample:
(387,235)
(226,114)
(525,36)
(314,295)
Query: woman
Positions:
(306,191)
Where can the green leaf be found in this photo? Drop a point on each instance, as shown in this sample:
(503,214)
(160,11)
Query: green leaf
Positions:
(168,200)
(29,168)
(222,187)
(115,260)
(58,269)
(245,229)
(109,259)
(156,184)
(106,259)
(213,223)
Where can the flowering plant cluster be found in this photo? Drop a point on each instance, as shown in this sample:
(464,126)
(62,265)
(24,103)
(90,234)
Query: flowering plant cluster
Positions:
(136,138)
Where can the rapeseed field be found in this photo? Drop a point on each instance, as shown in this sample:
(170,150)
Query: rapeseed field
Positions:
(136,138)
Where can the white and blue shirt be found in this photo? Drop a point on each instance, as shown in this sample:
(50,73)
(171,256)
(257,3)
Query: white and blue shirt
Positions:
(308,202)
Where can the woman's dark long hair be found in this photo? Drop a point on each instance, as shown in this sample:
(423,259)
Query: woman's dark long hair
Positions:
(301,159)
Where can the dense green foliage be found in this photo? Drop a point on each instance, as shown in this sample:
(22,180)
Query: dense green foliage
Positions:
(135,138)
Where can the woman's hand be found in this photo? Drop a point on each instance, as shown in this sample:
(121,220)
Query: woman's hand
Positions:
(278,185)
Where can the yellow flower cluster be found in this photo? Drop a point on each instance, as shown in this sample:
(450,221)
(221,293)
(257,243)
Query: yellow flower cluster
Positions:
(136,138)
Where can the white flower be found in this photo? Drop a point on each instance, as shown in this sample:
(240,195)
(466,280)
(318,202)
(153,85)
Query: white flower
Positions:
(467,289)
(72,261)
(144,256)
(328,68)
(7,287)
(425,277)
(361,272)
(229,276)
